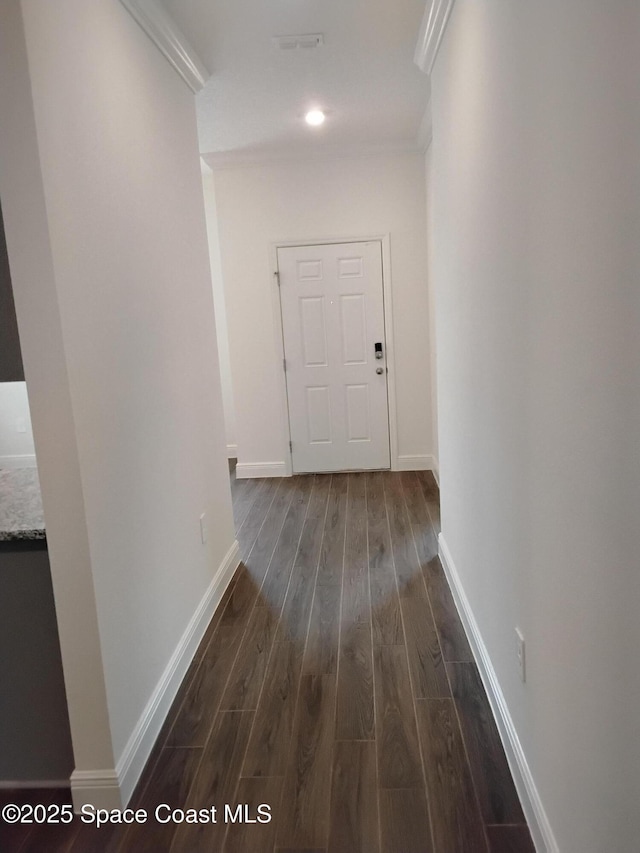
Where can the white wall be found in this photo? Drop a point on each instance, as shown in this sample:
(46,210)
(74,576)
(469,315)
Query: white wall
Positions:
(129,432)
(433,347)
(536,261)
(222,333)
(16,434)
(335,199)
(42,345)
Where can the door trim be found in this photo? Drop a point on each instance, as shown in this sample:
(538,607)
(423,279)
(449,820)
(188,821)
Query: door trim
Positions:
(385,242)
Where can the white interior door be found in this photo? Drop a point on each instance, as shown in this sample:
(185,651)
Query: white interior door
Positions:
(333,323)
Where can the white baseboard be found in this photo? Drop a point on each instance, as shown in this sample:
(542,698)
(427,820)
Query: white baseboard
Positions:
(537,819)
(99,788)
(232,451)
(112,788)
(248,470)
(23,461)
(436,470)
(421,462)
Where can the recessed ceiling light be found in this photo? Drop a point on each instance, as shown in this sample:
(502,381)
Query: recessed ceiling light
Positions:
(314,117)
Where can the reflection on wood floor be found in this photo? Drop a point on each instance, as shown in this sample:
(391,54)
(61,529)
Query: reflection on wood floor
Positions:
(335,684)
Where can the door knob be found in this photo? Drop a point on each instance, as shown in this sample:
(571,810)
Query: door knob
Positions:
(379,370)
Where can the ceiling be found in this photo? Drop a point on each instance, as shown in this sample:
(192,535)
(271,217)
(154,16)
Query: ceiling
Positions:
(363,77)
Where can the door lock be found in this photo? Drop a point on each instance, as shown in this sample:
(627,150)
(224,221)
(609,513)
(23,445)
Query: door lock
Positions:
(378,350)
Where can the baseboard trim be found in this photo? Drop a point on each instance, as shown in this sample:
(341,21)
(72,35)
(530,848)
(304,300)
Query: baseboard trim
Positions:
(420,462)
(248,470)
(537,819)
(99,788)
(112,789)
(232,451)
(23,461)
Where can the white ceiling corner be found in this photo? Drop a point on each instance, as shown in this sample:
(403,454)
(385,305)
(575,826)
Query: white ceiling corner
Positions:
(237,159)
(434,24)
(171,41)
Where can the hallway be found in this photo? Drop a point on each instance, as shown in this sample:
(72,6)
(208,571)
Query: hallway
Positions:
(375,724)
(335,684)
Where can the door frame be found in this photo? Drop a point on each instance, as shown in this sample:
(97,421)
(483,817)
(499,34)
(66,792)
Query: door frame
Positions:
(385,242)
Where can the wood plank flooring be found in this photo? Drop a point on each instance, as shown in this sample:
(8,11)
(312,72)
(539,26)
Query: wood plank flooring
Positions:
(335,684)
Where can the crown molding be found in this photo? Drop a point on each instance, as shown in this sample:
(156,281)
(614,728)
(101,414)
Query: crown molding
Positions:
(434,23)
(170,40)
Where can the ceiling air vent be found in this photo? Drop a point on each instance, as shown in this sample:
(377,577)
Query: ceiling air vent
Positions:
(308,42)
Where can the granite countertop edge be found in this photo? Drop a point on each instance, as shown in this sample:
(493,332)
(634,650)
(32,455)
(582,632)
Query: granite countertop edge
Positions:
(21,515)
(22,535)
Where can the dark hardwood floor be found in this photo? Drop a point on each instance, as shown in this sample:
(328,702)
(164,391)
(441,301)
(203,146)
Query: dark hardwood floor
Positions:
(335,684)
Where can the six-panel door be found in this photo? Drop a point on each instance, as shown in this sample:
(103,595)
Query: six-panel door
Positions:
(332,318)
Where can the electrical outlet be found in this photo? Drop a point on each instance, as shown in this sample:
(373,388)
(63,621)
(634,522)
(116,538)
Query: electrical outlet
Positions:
(203,527)
(520,651)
